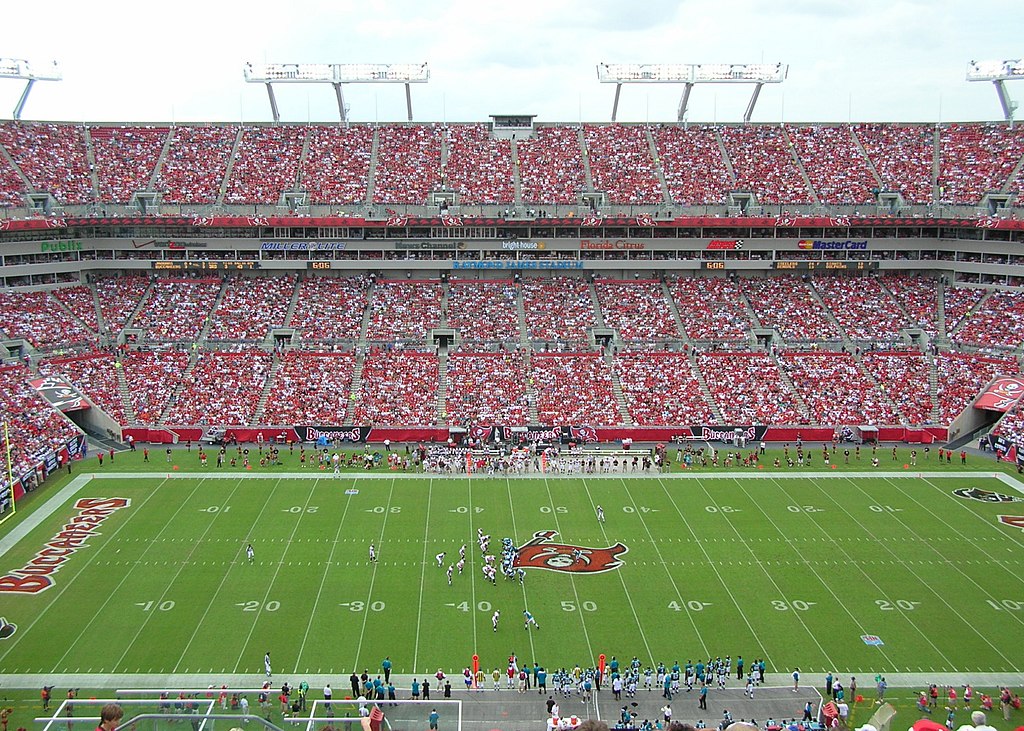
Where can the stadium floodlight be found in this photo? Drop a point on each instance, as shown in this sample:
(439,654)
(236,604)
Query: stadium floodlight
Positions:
(998,72)
(689,74)
(17,68)
(336,74)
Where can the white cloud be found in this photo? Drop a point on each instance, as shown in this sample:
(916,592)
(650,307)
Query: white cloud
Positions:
(880,59)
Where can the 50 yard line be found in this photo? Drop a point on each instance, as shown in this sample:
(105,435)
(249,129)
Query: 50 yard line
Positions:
(515,532)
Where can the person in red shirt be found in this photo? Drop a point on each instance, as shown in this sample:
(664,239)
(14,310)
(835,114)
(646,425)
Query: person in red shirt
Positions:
(110,717)
(951,697)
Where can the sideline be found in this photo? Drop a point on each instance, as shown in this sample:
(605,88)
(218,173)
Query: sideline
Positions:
(43,512)
(175,681)
(796,474)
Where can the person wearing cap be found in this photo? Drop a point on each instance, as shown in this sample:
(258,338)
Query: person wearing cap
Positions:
(922,703)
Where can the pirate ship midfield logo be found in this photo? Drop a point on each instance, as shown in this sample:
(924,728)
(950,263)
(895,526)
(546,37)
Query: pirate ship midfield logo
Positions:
(541,553)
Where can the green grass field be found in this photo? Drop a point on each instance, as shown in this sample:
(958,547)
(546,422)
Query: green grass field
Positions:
(771,564)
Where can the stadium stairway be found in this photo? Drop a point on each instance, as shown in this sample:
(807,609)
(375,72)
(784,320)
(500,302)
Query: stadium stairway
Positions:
(127,408)
(441,399)
(859,360)
(357,384)
(101,324)
(60,304)
(620,397)
(666,293)
(303,154)
(725,156)
(941,337)
(1011,180)
(704,390)
(588,175)
(208,323)
(788,382)
(371,174)
(223,189)
(139,305)
(184,380)
(595,302)
(162,159)
(936,162)
(658,168)
(6,156)
(445,292)
(268,387)
(90,156)
(827,312)
(896,300)
(800,166)
(444,161)
(867,157)
(979,306)
(517,179)
(293,302)
(933,389)
(524,336)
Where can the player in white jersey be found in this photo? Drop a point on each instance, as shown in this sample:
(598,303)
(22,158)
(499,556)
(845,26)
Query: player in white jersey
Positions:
(494,619)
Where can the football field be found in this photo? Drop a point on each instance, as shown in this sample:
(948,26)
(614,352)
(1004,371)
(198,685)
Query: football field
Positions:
(847,572)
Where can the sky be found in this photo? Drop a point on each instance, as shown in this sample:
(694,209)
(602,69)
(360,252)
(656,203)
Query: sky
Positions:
(181,61)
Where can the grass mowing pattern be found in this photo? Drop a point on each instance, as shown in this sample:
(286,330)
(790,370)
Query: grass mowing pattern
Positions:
(794,570)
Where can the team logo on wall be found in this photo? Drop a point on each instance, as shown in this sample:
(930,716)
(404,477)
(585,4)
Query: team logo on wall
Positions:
(540,553)
(483,433)
(986,496)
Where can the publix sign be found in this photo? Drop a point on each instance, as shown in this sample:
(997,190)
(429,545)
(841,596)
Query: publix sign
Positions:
(57,247)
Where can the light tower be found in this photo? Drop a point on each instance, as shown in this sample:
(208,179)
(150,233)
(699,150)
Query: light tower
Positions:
(16,68)
(998,72)
(690,74)
(336,74)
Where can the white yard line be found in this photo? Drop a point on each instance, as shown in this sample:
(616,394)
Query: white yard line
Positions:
(423,578)
(926,586)
(273,579)
(625,589)
(572,579)
(177,573)
(44,511)
(323,578)
(725,585)
(224,579)
(515,537)
(826,585)
(49,508)
(116,591)
(373,578)
(675,587)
